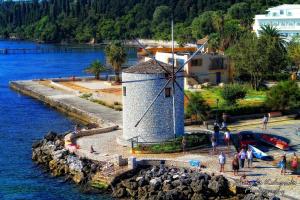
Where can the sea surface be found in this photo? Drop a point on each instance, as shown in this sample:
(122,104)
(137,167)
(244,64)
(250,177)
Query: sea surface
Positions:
(24,120)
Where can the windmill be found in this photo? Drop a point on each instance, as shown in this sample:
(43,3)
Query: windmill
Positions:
(172,79)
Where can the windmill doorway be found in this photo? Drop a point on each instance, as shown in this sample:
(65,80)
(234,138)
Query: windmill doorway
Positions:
(218,77)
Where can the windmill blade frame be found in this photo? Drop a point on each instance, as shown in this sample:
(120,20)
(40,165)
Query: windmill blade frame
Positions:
(190,58)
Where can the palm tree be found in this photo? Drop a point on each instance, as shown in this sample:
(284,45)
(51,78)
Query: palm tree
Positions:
(116,55)
(273,33)
(96,68)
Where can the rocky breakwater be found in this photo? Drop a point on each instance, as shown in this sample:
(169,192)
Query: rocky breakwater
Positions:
(51,154)
(173,183)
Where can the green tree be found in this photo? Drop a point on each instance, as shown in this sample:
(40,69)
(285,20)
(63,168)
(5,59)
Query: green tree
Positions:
(182,34)
(232,92)
(241,11)
(275,50)
(214,42)
(232,32)
(273,33)
(294,53)
(96,68)
(207,23)
(197,106)
(249,59)
(116,55)
(161,14)
(161,23)
(285,95)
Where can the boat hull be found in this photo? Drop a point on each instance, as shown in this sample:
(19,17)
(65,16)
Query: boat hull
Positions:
(274,141)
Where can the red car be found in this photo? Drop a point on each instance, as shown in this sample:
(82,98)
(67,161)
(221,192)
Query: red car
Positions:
(246,138)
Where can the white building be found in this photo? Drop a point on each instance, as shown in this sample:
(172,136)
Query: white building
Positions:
(209,67)
(286,18)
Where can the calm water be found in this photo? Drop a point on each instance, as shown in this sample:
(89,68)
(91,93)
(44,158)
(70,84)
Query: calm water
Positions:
(23,120)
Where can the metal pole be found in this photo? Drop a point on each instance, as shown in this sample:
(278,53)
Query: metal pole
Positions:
(173,79)
(217,110)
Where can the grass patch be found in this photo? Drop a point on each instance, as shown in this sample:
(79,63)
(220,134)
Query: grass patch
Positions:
(86,95)
(254,102)
(175,145)
(252,97)
(117,107)
(99,185)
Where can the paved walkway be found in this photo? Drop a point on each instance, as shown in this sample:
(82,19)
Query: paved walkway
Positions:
(104,115)
(266,172)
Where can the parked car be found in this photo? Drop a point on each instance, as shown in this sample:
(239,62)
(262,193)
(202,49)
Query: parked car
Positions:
(245,138)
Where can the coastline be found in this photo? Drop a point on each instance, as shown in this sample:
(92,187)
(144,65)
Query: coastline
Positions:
(128,43)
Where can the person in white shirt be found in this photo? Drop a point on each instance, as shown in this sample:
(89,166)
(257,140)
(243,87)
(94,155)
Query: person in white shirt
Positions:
(227,137)
(222,161)
(265,122)
(242,156)
(249,157)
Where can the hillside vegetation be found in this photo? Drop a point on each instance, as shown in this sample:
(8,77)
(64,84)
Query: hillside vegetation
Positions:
(82,20)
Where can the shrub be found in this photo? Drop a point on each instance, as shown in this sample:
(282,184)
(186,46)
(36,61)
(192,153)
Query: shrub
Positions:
(232,92)
(196,105)
(284,96)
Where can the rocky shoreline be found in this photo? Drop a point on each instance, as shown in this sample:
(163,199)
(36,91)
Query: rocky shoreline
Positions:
(144,182)
(51,154)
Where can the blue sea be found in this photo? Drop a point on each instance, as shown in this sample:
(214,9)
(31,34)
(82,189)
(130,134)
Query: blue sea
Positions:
(24,120)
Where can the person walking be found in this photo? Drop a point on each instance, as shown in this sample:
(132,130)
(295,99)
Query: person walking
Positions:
(294,163)
(183,142)
(265,122)
(227,137)
(242,156)
(249,157)
(214,144)
(283,164)
(216,131)
(222,161)
(235,165)
(224,125)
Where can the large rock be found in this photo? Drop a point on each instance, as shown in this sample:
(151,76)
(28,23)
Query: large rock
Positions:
(51,136)
(197,196)
(74,163)
(219,185)
(120,193)
(155,183)
(78,177)
(130,184)
(197,186)
(172,194)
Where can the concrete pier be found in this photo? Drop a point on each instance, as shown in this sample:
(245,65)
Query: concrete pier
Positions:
(70,103)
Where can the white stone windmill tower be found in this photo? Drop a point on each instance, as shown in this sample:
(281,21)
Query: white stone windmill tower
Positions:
(153,100)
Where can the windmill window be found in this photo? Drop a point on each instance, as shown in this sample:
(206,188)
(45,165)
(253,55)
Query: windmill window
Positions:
(197,62)
(167,92)
(124,91)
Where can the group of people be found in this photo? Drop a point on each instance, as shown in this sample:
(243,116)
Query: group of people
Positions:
(283,163)
(215,139)
(238,160)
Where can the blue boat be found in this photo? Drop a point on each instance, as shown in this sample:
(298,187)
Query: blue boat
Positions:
(259,154)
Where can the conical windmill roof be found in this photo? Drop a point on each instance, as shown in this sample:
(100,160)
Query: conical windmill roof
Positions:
(149,67)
